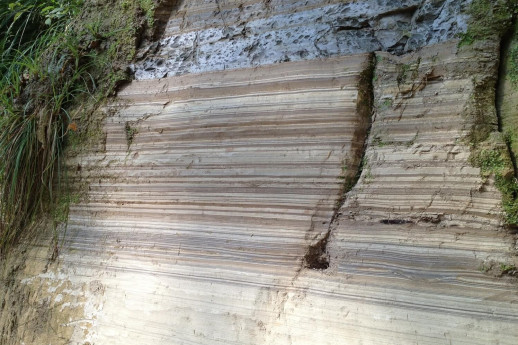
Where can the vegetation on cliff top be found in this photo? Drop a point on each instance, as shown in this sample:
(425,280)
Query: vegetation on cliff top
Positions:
(59,59)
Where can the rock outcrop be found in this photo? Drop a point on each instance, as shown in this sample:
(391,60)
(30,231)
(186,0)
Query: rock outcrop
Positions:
(242,197)
(210,35)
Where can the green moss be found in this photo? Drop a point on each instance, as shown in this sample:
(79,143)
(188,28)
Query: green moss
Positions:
(496,162)
(488,19)
(498,269)
(402,73)
(490,162)
(130,133)
(482,110)
(148,6)
(368,177)
(377,141)
(512,66)
(507,268)
(62,206)
(407,71)
(385,104)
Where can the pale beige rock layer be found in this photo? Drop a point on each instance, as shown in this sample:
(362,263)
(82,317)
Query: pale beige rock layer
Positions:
(416,235)
(209,189)
(212,204)
(418,159)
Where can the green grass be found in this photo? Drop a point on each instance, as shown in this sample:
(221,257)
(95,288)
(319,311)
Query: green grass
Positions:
(507,268)
(57,58)
(42,73)
(512,68)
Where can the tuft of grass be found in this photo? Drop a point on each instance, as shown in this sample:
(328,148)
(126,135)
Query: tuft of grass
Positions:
(42,73)
(507,268)
(57,58)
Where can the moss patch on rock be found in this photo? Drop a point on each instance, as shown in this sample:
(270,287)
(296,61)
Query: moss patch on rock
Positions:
(489,19)
(490,136)
(494,161)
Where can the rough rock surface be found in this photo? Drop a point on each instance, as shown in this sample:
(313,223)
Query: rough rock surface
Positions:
(417,166)
(211,190)
(507,97)
(210,35)
(216,211)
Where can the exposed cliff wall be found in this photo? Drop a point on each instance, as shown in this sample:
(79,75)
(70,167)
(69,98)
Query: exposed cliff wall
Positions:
(256,195)
(211,35)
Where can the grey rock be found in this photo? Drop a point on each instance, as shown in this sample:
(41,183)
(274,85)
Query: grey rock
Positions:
(278,31)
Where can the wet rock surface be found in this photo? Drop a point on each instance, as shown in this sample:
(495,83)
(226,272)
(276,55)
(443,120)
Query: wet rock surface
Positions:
(207,36)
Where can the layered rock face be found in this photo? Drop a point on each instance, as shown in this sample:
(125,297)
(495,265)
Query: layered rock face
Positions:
(326,198)
(211,35)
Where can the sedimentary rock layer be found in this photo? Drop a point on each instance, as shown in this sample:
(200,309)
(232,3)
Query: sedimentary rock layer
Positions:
(208,35)
(412,249)
(417,166)
(210,191)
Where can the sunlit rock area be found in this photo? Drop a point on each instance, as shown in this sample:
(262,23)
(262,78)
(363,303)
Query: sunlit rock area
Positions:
(285,172)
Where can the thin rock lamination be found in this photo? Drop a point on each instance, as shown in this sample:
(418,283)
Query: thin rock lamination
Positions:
(208,35)
(209,189)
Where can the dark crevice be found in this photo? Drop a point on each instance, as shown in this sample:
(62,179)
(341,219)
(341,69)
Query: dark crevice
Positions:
(364,107)
(356,25)
(505,45)
(396,221)
(148,40)
(409,11)
(317,256)
(346,28)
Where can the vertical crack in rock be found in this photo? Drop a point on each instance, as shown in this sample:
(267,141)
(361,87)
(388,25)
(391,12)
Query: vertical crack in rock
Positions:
(505,45)
(316,256)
